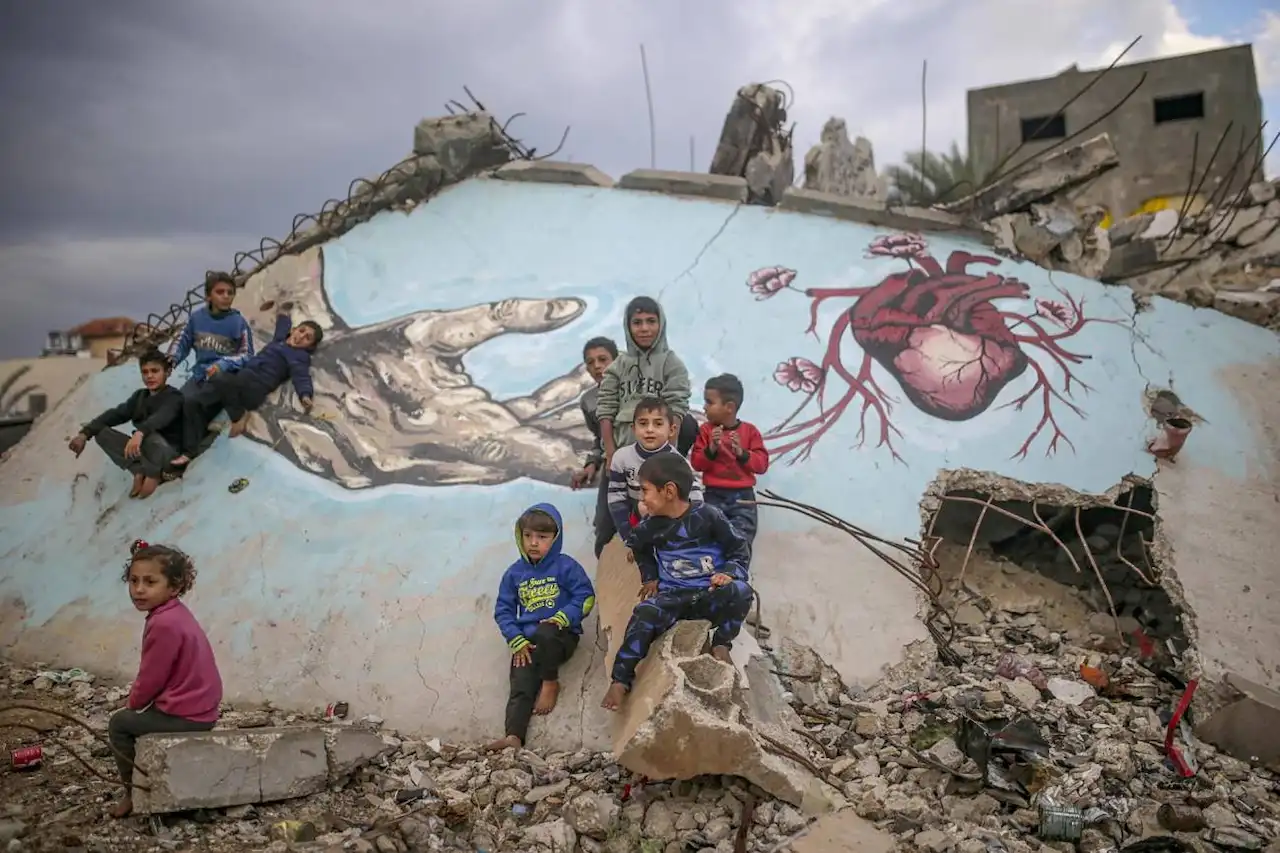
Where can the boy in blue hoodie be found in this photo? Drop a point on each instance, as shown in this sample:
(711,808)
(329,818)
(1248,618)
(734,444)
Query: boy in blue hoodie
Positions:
(542,600)
(693,565)
(218,333)
(288,356)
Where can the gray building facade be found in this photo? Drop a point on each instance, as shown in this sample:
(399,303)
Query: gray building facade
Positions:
(1204,95)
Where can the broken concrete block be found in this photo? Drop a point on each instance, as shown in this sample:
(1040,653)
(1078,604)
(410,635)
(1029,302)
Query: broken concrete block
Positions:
(689,715)
(1261,192)
(755,116)
(872,212)
(464,144)
(1129,229)
(1249,727)
(551,172)
(1131,259)
(348,749)
(1257,308)
(843,832)
(685,183)
(1053,174)
(840,167)
(1257,232)
(228,768)
(770,172)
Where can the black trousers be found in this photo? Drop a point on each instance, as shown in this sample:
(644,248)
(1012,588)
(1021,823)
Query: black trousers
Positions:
(151,462)
(743,517)
(125,727)
(234,392)
(553,647)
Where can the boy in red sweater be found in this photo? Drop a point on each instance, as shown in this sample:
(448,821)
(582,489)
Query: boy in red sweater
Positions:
(178,688)
(730,454)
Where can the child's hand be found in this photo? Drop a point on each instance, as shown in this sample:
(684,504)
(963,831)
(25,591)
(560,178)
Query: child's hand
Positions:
(583,477)
(553,623)
(648,590)
(306,404)
(133,448)
(208,374)
(77,444)
(720,579)
(642,509)
(631,557)
(735,444)
(717,434)
(524,657)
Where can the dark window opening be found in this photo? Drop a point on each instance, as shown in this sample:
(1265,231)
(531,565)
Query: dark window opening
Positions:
(1179,108)
(1044,127)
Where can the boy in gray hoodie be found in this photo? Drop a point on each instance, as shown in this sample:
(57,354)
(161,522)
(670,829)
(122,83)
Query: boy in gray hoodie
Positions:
(647,369)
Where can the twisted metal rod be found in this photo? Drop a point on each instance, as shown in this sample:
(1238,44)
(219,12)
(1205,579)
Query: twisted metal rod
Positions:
(6,707)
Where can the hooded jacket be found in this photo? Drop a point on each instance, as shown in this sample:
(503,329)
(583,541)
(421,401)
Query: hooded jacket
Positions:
(556,588)
(222,339)
(636,374)
(279,361)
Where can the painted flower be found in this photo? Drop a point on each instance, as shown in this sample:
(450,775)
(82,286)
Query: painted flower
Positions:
(767,282)
(798,374)
(1054,311)
(898,246)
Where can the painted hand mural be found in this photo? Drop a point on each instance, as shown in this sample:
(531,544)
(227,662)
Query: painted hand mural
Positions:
(393,400)
(938,332)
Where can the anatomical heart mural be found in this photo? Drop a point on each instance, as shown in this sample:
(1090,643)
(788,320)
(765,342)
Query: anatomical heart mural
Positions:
(936,330)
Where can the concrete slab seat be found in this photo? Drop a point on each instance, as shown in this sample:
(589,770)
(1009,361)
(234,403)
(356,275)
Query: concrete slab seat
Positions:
(231,767)
(689,715)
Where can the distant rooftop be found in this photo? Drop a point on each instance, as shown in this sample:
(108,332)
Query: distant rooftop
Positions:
(103,327)
(1197,55)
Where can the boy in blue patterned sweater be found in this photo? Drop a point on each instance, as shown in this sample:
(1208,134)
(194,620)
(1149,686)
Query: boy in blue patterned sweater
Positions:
(693,565)
(218,333)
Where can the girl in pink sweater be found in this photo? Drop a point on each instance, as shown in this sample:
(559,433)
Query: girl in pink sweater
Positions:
(178,688)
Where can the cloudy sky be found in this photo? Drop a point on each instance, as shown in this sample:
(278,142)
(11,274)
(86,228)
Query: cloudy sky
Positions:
(148,140)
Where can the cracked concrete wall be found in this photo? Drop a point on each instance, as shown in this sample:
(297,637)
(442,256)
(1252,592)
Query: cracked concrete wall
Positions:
(319,584)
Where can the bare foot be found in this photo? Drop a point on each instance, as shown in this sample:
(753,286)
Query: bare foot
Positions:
(137,485)
(122,809)
(508,742)
(180,461)
(238,427)
(721,653)
(547,697)
(149,486)
(613,698)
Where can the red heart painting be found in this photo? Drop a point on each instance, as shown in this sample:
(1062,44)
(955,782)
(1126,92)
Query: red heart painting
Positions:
(939,333)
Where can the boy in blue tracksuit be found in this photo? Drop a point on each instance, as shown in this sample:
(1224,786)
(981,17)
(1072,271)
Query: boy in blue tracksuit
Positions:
(693,565)
(218,333)
(542,600)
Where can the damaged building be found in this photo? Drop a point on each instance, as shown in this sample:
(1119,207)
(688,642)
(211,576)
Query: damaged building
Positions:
(1015,550)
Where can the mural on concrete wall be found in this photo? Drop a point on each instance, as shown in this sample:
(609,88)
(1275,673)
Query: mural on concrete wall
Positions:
(394,402)
(938,333)
(13,398)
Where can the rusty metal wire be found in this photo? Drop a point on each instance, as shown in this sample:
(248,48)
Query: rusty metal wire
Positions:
(364,198)
(914,561)
(7,707)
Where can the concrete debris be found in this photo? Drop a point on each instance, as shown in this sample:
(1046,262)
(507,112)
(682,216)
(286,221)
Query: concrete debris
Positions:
(840,167)
(463,144)
(1056,235)
(1248,728)
(754,146)
(1213,257)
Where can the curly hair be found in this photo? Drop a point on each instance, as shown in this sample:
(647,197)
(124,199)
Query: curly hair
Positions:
(178,569)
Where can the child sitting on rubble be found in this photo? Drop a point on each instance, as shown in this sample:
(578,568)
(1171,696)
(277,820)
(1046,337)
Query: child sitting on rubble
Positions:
(654,432)
(542,600)
(288,356)
(155,411)
(730,454)
(178,688)
(218,333)
(693,565)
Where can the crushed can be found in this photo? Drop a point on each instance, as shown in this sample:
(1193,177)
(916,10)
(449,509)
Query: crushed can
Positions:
(28,758)
(1061,823)
(336,711)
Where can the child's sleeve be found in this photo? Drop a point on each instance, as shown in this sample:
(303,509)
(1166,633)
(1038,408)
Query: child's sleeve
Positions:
(504,613)
(642,547)
(607,400)
(703,451)
(675,385)
(169,411)
(160,647)
(114,416)
(755,457)
(582,596)
(181,347)
(619,501)
(734,547)
(244,351)
(594,456)
(300,373)
(284,325)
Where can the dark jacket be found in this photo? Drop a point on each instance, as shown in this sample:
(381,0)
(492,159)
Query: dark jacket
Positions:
(278,361)
(556,588)
(595,456)
(684,552)
(159,413)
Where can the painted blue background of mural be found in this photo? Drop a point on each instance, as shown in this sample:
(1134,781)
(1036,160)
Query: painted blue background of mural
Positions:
(490,240)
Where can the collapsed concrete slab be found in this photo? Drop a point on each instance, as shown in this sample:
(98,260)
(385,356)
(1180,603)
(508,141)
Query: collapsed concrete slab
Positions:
(690,715)
(236,767)
(754,146)
(843,832)
(1247,728)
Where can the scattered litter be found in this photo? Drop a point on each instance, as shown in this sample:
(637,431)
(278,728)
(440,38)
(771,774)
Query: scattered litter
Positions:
(238,485)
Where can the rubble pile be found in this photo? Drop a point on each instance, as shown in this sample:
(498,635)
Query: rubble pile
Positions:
(754,146)
(840,167)
(1225,257)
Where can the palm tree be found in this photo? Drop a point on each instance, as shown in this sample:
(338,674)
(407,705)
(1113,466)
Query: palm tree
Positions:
(929,178)
(9,399)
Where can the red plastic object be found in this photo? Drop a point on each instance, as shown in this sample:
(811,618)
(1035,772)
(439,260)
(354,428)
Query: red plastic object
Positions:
(27,758)
(1175,756)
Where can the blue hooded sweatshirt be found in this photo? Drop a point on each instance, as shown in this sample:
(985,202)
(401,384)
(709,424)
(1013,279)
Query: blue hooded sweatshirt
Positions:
(279,361)
(223,339)
(556,588)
